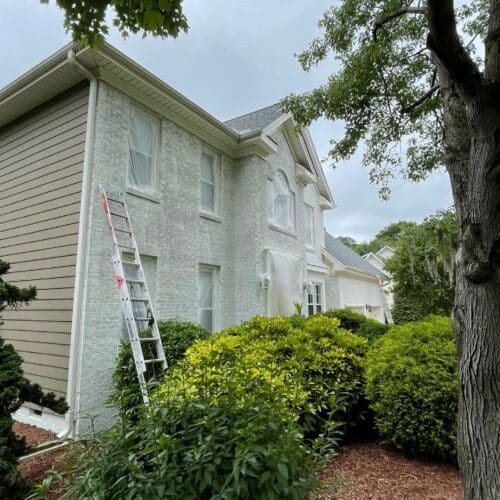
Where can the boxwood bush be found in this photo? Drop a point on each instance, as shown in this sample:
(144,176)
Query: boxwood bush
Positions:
(412,384)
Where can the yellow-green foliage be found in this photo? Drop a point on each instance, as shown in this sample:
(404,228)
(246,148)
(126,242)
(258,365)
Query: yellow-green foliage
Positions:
(317,368)
(412,384)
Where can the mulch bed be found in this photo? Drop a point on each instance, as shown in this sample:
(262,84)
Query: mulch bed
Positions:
(371,471)
(33,435)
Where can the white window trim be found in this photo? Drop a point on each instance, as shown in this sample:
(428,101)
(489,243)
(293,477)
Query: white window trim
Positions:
(150,194)
(313,232)
(207,214)
(315,303)
(215,270)
(290,230)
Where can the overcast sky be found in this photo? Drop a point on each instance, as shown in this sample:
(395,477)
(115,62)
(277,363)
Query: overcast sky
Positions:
(237,57)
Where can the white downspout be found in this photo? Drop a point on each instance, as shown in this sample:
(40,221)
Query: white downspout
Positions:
(82,255)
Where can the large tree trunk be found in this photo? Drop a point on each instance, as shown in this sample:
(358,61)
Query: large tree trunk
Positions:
(473,146)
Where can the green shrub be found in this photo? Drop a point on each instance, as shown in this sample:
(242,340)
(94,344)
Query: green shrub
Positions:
(318,359)
(176,337)
(231,438)
(411,382)
(368,328)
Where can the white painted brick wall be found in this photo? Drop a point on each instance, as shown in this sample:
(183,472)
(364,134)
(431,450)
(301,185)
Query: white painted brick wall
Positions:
(173,232)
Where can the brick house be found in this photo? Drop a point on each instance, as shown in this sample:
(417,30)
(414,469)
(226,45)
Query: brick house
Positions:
(228,216)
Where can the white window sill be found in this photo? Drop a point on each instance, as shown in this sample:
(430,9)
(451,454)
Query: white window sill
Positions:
(282,230)
(209,216)
(310,248)
(141,194)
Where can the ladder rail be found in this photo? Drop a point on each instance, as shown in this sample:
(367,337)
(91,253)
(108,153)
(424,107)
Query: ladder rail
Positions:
(131,319)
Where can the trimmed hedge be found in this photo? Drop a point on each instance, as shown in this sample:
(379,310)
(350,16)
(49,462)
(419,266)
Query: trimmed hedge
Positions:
(412,384)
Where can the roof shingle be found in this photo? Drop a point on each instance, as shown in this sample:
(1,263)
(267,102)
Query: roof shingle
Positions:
(349,257)
(256,120)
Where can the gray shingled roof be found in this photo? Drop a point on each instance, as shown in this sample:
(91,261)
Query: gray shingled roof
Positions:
(348,257)
(256,120)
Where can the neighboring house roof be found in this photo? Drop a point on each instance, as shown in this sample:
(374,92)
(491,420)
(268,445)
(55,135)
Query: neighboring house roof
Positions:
(256,120)
(376,258)
(349,258)
(386,249)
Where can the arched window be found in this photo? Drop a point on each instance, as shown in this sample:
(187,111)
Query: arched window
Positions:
(281,202)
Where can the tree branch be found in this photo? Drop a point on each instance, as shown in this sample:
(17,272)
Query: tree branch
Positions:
(418,102)
(444,42)
(382,20)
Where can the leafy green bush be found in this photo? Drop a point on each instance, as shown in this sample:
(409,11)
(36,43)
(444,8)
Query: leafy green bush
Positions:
(412,384)
(176,337)
(368,328)
(233,437)
(318,359)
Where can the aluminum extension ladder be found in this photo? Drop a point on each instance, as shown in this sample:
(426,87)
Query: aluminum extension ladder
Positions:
(140,319)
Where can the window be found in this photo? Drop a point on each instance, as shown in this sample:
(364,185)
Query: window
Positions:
(281,202)
(143,138)
(207,297)
(314,298)
(208,188)
(309,225)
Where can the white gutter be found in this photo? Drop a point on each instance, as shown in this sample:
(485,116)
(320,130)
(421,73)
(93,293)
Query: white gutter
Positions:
(80,293)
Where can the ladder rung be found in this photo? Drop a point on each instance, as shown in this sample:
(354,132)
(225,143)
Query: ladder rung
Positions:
(156,360)
(115,201)
(123,230)
(135,282)
(142,319)
(147,339)
(126,246)
(116,214)
(136,299)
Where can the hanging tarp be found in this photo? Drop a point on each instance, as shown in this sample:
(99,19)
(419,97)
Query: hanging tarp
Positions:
(287,282)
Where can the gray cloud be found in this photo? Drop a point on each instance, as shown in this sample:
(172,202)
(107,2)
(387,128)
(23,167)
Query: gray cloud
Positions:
(238,56)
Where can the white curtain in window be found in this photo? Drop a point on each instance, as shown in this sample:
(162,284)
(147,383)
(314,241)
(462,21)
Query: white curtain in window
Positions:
(142,137)
(207,183)
(287,278)
(205,298)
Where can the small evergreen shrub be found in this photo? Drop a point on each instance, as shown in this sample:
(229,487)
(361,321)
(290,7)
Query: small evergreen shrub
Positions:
(412,384)
(368,328)
(176,337)
(15,389)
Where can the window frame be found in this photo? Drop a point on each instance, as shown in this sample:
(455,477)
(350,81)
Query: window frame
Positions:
(312,231)
(271,217)
(214,270)
(131,187)
(217,166)
(318,306)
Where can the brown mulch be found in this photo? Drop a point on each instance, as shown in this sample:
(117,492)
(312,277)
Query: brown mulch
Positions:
(371,471)
(33,435)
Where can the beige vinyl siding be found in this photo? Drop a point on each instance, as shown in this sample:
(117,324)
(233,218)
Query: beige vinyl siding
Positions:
(41,168)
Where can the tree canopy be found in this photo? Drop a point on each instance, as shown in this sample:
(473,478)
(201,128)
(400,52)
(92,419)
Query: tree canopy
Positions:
(86,21)
(386,90)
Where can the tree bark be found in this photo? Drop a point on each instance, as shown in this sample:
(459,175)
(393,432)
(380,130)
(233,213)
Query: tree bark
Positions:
(472,143)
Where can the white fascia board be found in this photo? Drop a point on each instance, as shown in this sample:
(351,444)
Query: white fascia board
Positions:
(329,257)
